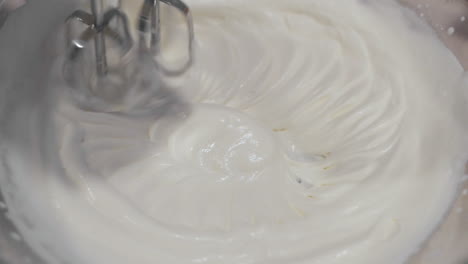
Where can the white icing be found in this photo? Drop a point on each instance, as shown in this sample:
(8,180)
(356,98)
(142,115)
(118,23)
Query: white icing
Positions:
(319,132)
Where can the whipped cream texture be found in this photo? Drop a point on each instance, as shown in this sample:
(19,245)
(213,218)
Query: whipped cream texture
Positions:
(318,132)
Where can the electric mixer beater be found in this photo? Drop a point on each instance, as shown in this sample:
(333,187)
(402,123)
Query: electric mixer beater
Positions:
(119,61)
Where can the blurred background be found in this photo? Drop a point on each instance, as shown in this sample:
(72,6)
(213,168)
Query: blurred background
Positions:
(7,6)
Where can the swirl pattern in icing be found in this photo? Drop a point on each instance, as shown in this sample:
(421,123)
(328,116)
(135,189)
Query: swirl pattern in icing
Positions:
(319,132)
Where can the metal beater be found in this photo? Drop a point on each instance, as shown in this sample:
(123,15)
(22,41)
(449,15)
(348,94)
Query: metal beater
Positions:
(98,23)
(109,29)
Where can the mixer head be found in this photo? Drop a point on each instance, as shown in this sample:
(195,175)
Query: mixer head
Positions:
(149,26)
(101,74)
(98,27)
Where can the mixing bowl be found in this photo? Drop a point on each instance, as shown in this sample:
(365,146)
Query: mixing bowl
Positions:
(27,48)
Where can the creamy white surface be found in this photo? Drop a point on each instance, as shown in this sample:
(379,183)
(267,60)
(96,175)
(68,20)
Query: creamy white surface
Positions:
(320,132)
